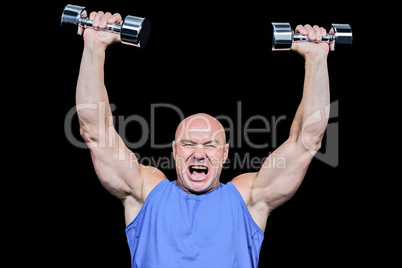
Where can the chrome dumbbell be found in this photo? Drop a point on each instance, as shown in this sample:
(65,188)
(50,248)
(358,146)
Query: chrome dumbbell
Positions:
(134,31)
(283,36)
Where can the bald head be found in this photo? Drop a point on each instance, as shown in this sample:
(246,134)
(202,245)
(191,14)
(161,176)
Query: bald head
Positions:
(201,126)
(200,141)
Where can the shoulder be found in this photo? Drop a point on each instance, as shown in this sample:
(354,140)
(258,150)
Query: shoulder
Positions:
(244,184)
(152,177)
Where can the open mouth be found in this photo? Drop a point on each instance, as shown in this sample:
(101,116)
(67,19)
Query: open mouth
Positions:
(198,172)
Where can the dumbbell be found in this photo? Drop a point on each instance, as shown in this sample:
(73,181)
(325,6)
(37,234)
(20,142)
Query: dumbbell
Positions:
(283,36)
(134,31)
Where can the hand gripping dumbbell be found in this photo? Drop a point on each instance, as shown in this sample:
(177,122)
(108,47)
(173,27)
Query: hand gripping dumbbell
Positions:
(283,36)
(134,31)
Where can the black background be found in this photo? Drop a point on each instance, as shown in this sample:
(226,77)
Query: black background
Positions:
(201,57)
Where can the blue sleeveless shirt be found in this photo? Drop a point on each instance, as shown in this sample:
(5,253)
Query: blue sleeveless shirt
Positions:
(174,229)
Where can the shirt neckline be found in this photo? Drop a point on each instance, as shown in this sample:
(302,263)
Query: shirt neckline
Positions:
(194,196)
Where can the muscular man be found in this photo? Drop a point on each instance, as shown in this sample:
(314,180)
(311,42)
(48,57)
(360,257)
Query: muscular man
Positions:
(196,221)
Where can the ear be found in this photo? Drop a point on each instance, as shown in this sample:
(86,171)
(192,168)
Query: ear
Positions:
(174,149)
(225,153)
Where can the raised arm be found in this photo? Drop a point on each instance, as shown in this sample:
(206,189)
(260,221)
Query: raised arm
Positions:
(116,166)
(283,171)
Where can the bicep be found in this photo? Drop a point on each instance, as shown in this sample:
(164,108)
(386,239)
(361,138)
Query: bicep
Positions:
(282,173)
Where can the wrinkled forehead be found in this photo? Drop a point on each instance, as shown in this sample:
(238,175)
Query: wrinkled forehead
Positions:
(201,128)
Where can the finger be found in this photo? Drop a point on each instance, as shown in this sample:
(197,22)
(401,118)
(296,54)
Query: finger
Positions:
(301,29)
(311,31)
(97,18)
(115,18)
(317,33)
(92,16)
(103,20)
(323,32)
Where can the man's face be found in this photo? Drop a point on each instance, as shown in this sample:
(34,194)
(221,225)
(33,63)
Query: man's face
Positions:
(200,150)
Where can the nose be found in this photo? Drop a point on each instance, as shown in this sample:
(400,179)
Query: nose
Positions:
(199,156)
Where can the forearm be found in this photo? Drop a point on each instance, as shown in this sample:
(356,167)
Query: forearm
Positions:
(312,115)
(91,95)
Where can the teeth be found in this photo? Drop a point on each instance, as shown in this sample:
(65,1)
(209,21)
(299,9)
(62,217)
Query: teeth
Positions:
(199,167)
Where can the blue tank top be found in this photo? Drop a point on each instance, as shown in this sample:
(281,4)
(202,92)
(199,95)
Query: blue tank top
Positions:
(174,229)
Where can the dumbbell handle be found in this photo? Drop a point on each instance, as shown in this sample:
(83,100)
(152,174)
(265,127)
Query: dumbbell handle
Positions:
(297,37)
(112,28)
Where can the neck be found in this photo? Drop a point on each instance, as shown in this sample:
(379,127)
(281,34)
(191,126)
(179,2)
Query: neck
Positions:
(188,190)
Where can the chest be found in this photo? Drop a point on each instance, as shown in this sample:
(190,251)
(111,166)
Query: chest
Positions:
(186,217)
(185,230)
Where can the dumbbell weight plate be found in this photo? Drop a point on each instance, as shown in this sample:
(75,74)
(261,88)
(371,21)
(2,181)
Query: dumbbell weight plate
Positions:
(135,31)
(282,36)
(343,35)
(71,15)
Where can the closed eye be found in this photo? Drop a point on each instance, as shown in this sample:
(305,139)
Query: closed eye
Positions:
(188,144)
(210,145)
